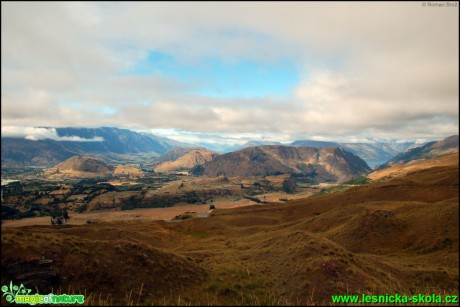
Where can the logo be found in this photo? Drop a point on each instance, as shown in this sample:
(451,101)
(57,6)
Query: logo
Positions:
(21,295)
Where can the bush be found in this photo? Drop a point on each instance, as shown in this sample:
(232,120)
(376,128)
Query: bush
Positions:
(82,208)
(358,181)
(66,215)
(29,213)
(289,185)
(9,213)
(197,170)
(255,199)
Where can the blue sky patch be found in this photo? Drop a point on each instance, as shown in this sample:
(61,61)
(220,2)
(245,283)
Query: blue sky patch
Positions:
(218,78)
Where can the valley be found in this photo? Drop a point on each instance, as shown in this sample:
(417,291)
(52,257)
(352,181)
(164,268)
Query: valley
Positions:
(268,224)
(170,195)
(368,238)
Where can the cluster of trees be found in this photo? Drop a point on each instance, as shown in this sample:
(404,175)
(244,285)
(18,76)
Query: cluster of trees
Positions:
(197,170)
(289,185)
(58,217)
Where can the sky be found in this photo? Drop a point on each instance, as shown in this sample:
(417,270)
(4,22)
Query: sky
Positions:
(234,71)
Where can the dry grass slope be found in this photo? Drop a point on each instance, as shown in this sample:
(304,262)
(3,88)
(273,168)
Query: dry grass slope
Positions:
(395,235)
(190,159)
(401,169)
(79,166)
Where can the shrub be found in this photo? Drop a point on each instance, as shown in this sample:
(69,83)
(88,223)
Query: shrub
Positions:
(359,181)
(197,170)
(289,185)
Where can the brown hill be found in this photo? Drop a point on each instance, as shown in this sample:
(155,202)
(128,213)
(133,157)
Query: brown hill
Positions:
(320,164)
(396,235)
(401,169)
(188,158)
(175,153)
(79,166)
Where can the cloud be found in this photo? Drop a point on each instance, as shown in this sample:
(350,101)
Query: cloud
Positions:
(345,103)
(35,134)
(367,69)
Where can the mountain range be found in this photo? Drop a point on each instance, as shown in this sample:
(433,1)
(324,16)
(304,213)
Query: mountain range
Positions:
(114,144)
(373,152)
(311,164)
(20,152)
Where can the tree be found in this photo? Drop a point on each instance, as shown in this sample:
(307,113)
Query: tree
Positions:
(65,215)
(197,170)
(289,185)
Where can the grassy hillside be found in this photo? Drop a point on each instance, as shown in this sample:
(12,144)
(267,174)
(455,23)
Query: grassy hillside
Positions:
(396,235)
(402,169)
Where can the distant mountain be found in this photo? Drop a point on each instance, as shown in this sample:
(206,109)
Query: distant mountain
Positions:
(314,144)
(224,148)
(187,159)
(256,143)
(217,147)
(377,153)
(373,153)
(166,142)
(18,152)
(116,140)
(79,166)
(427,151)
(324,164)
(47,152)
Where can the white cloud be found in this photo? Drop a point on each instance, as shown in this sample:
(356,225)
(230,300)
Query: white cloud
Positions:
(35,134)
(382,69)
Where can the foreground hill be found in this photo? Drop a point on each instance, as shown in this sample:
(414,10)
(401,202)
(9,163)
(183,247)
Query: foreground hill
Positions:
(397,235)
(18,152)
(187,158)
(79,166)
(427,151)
(325,164)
